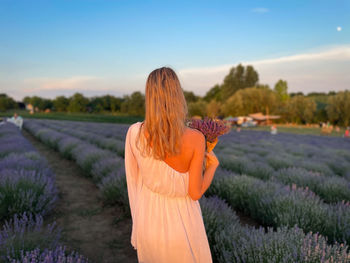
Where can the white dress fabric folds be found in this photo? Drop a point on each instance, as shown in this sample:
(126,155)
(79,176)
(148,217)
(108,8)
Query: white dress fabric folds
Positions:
(167,225)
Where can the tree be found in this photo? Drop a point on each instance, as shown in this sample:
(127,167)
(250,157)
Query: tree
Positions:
(251,77)
(338,109)
(299,93)
(134,104)
(38,102)
(281,88)
(45,104)
(61,103)
(237,79)
(106,102)
(213,108)
(321,100)
(7,103)
(26,100)
(213,93)
(251,100)
(198,108)
(301,109)
(78,103)
(190,96)
(234,106)
(96,104)
(116,103)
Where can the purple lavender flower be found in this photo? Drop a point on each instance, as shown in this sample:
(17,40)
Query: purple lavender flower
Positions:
(27,161)
(12,141)
(209,127)
(114,188)
(26,232)
(103,167)
(26,190)
(56,255)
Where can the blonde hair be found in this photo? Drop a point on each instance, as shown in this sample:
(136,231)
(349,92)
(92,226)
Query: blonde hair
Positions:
(166,112)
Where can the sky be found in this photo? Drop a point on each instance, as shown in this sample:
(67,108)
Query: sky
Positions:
(98,47)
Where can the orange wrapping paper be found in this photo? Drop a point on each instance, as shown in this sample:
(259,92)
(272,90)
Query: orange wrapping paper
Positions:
(210,147)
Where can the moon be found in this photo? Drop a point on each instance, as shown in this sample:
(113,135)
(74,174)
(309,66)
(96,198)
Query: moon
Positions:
(339,28)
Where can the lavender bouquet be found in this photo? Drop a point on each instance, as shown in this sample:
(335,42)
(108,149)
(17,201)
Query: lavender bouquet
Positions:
(211,129)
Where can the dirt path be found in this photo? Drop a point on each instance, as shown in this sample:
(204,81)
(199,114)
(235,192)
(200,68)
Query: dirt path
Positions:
(100,233)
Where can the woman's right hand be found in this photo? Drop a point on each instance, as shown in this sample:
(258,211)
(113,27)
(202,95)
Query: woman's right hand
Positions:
(211,159)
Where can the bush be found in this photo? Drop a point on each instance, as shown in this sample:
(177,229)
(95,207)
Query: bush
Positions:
(216,215)
(66,146)
(57,255)
(330,189)
(12,141)
(274,204)
(86,155)
(28,161)
(26,191)
(250,245)
(243,166)
(231,242)
(114,189)
(26,232)
(103,167)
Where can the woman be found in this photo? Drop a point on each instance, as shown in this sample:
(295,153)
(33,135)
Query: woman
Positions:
(164,172)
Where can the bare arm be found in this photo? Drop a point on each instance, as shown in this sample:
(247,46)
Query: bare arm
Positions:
(212,164)
(198,183)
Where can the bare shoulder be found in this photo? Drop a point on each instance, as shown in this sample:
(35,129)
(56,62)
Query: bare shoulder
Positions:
(133,127)
(194,135)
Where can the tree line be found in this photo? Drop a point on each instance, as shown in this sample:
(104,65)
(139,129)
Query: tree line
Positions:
(239,94)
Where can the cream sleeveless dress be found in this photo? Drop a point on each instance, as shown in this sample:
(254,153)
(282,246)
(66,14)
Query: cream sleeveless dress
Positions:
(167,224)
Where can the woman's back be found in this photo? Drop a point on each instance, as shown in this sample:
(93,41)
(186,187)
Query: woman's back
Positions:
(189,141)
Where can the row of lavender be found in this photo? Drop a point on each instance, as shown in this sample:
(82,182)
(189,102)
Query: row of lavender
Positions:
(27,193)
(251,245)
(106,168)
(330,188)
(289,163)
(104,135)
(326,156)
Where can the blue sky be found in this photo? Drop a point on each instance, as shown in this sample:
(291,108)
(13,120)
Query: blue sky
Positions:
(51,48)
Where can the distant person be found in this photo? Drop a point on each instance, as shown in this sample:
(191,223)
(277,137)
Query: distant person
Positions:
(347,132)
(273,130)
(16,120)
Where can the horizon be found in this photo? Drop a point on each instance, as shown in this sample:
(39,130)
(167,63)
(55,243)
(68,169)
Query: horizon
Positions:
(55,48)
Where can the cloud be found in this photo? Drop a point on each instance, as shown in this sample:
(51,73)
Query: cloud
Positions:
(321,70)
(70,83)
(88,85)
(341,53)
(260,10)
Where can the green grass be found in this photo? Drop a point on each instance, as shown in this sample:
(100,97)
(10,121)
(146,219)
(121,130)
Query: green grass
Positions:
(298,130)
(91,117)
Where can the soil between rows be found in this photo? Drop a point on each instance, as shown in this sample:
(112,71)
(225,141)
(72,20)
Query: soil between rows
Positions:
(98,232)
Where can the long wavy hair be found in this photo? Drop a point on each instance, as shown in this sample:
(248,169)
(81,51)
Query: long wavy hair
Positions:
(166,113)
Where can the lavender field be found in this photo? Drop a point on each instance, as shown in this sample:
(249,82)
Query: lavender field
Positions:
(28,193)
(295,187)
